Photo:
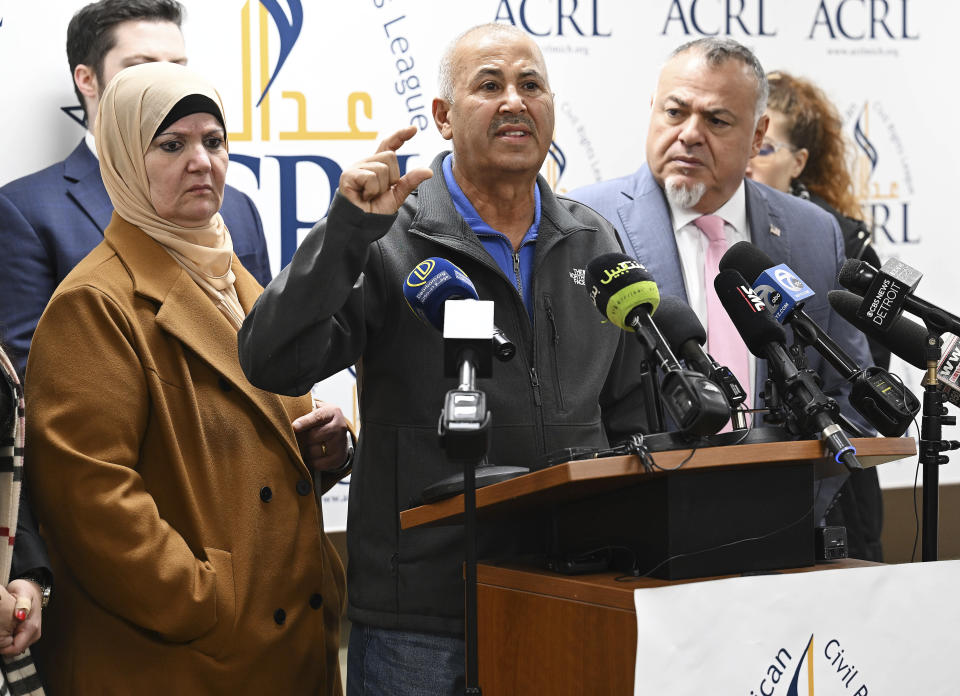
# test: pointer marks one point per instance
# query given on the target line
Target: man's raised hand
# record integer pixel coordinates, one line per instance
(374, 184)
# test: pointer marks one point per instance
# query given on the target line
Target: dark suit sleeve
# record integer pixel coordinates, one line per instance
(29, 550)
(26, 282)
(246, 229)
(313, 319)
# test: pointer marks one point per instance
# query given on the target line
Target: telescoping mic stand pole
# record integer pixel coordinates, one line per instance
(931, 433)
(465, 436)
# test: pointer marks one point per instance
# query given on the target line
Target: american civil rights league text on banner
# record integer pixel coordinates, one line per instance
(890, 630)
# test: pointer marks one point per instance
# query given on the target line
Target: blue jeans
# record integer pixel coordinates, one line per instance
(386, 662)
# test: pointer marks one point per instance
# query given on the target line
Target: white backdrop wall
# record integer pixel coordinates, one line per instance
(337, 77)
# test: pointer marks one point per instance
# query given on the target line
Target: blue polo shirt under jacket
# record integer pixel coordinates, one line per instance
(517, 266)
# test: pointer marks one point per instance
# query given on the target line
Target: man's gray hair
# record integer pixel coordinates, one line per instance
(447, 68)
(718, 51)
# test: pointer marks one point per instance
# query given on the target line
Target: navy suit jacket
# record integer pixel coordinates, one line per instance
(51, 219)
(789, 230)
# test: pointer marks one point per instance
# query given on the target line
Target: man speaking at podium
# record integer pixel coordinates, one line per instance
(573, 381)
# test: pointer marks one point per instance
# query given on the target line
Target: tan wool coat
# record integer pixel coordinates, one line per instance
(184, 527)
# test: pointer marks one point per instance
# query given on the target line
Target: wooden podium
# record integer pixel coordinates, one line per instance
(687, 504)
(544, 632)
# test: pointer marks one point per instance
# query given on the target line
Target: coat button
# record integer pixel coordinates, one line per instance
(224, 384)
(279, 616)
(304, 487)
(316, 600)
(266, 494)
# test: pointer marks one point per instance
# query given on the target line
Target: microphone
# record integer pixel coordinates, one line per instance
(887, 292)
(464, 420)
(884, 291)
(813, 411)
(685, 335)
(780, 287)
(948, 370)
(905, 338)
(783, 291)
(435, 280)
(626, 294)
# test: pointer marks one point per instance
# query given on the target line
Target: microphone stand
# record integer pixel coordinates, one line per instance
(648, 381)
(811, 411)
(931, 431)
(464, 433)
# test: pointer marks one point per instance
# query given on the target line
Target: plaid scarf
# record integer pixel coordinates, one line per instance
(18, 675)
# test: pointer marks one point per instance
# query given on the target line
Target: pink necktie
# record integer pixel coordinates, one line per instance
(723, 339)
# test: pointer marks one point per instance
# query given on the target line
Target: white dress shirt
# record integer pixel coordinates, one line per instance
(91, 143)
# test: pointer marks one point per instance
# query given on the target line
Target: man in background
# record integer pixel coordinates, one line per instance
(690, 201)
(51, 219)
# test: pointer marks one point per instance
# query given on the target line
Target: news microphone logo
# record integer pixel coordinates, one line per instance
(420, 273)
(754, 301)
(884, 299)
(620, 269)
(619, 285)
(432, 282)
(948, 371)
(781, 290)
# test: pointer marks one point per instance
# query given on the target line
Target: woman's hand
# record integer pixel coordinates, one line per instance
(322, 436)
(26, 632)
(16, 636)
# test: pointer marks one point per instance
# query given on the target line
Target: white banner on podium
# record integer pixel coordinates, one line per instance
(859, 631)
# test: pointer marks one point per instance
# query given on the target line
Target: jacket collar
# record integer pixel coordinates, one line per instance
(435, 211)
(81, 170)
(186, 313)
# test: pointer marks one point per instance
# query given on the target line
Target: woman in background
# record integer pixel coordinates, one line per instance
(181, 504)
(22, 600)
(804, 153)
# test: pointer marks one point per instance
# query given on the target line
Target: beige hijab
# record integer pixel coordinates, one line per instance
(133, 106)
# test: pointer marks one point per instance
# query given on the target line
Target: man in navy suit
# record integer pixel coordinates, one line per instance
(707, 121)
(51, 219)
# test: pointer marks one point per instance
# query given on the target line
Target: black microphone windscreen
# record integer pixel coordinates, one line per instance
(856, 275)
(905, 338)
(679, 323)
(746, 258)
(619, 285)
(748, 313)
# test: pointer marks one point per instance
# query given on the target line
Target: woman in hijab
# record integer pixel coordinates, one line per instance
(180, 503)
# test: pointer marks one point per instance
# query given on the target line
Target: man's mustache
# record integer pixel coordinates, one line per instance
(512, 120)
